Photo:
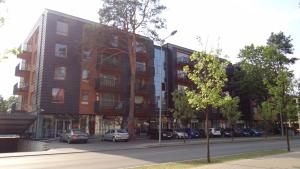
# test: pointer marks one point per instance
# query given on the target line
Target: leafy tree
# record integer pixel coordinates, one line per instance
(182, 110)
(280, 92)
(268, 113)
(5, 105)
(131, 17)
(209, 77)
(230, 110)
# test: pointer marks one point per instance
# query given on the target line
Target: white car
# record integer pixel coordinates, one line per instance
(180, 133)
(215, 132)
(116, 135)
(74, 135)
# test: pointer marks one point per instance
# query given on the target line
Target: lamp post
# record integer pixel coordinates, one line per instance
(161, 83)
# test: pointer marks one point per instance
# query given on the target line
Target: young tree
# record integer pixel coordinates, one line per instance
(209, 77)
(5, 105)
(280, 91)
(182, 111)
(131, 17)
(230, 110)
(267, 113)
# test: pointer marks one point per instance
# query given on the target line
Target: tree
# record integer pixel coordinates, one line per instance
(268, 113)
(230, 110)
(209, 77)
(132, 16)
(6, 105)
(280, 92)
(182, 111)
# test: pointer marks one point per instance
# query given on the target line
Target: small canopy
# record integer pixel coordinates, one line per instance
(15, 123)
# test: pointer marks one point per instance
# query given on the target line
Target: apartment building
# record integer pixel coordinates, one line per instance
(75, 73)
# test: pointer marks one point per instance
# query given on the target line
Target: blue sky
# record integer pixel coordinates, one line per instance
(229, 24)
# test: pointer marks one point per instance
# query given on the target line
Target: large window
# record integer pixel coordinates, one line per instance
(182, 57)
(87, 54)
(140, 47)
(85, 97)
(60, 73)
(115, 41)
(140, 66)
(60, 50)
(58, 95)
(62, 28)
(107, 59)
(85, 75)
(108, 99)
(181, 74)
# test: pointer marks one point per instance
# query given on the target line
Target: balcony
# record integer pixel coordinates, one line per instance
(143, 89)
(143, 109)
(105, 84)
(22, 70)
(148, 72)
(20, 89)
(115, 108)
(109, 66)
(26, 52)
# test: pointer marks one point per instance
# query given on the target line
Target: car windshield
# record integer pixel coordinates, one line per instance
(76, 131)
(121, 131)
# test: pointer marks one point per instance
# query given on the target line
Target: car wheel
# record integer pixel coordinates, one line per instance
(114, 139)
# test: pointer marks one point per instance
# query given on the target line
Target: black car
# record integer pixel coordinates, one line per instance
(192, 133)
(165, 134)
(227, 132)
(245, 132)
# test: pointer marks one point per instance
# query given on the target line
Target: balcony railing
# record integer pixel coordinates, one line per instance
(20, 88)
(143, 108)
(112, 106)
(26, 51)
(104, 83)
(22, 70)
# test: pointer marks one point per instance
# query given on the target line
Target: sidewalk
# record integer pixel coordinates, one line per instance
(281, 161)
(96, 145)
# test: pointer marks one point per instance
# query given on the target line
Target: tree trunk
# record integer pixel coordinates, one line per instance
(132, 60)
(207, 136)
(287, 138)
(232, 132)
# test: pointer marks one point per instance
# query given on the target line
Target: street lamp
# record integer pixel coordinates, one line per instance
(161, 83)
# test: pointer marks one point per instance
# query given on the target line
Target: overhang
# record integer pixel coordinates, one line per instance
(15, 123)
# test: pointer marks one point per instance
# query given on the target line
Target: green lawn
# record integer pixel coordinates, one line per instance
(197, 163)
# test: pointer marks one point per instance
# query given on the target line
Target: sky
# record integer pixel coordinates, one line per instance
(229, 25)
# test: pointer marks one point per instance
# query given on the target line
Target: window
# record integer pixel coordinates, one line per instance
(85, 97)
(60, 73)
(140, 47)
(182, 57)
(85, 75)
(60, 50)
(62, 28)
(141, 66)
(138, 99)
(140, 84)
(109, 60)
(115, 41)
(181, 74)
(86, 54)
(108, 99)
(58, 95)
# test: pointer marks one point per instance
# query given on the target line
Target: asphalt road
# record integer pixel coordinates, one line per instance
(137, 157)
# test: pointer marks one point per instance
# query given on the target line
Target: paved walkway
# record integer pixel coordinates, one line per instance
(281, 161)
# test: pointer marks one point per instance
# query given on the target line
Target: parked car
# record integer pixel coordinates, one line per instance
(116, 135)
(192, 133)
(245, 132)
(73, 135)
(256, 132)
(201, 132)
(165, 134)
(215, 132)
(227, 132)
(180, 134)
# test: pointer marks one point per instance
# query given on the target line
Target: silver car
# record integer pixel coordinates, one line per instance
(74, 135)
(180, 134)
(116, 135)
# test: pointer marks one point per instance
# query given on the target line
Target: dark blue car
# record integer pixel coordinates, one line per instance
(192, 133)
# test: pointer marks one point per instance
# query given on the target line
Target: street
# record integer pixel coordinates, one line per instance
(136, 157)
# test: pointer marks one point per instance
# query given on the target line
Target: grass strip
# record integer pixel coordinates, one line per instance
(197, 163)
